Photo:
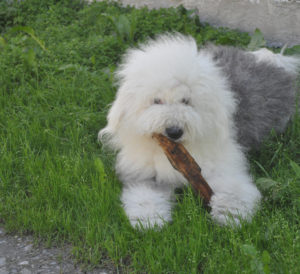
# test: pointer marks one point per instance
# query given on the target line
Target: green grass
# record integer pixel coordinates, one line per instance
(56, 80)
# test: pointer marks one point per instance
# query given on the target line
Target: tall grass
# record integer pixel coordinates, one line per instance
(57, 60)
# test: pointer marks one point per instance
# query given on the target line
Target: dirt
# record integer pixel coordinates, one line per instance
(19, 254)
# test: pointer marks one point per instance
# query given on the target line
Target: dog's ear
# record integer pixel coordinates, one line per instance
(116, 113)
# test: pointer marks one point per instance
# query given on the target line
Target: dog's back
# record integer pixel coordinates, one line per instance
(264, 86)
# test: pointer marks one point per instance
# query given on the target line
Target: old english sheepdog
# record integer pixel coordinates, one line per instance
(217, 101)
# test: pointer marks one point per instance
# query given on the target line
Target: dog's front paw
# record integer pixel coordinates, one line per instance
(148, 222)
(229, 209)
(146, 206)
(145, 216)
(224, 216)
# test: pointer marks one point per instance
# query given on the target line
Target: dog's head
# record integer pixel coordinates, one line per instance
(168, 87)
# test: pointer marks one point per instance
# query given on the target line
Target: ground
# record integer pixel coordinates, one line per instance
(19, 254)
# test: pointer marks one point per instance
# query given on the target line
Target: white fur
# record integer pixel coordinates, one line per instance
(289, 63)
(147, 205)
(171, 68)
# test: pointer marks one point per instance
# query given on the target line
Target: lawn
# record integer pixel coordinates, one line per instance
(57, 60)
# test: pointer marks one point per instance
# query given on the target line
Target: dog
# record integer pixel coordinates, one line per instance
(217, 101)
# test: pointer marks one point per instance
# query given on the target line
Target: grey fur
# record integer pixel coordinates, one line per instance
(265, 94)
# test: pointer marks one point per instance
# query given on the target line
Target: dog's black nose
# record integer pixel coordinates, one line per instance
(174, 132)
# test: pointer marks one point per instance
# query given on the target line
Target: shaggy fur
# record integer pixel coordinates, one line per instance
(217, 102)
(265, 93)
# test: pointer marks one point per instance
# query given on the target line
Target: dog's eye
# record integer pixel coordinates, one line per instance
(157, 101)
(185, 101)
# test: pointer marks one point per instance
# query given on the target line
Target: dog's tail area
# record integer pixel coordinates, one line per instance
(290, 64)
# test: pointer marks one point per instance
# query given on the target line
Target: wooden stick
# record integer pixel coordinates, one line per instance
(182, 161)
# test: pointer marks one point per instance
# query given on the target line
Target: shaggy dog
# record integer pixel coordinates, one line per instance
(217, 101)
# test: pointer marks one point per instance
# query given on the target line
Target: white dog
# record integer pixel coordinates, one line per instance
(218, 102)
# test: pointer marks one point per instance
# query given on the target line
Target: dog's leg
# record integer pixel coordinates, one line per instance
(235, 197)
(147, 205)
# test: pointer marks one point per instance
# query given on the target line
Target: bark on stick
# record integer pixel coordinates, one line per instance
(182, 161)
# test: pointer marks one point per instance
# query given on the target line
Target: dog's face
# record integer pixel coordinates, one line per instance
(183, 113)
(171, 110)
(170, 90)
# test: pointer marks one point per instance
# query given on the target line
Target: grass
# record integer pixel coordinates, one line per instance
(57, 60)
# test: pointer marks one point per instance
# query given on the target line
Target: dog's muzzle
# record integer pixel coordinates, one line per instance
(174, 133)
